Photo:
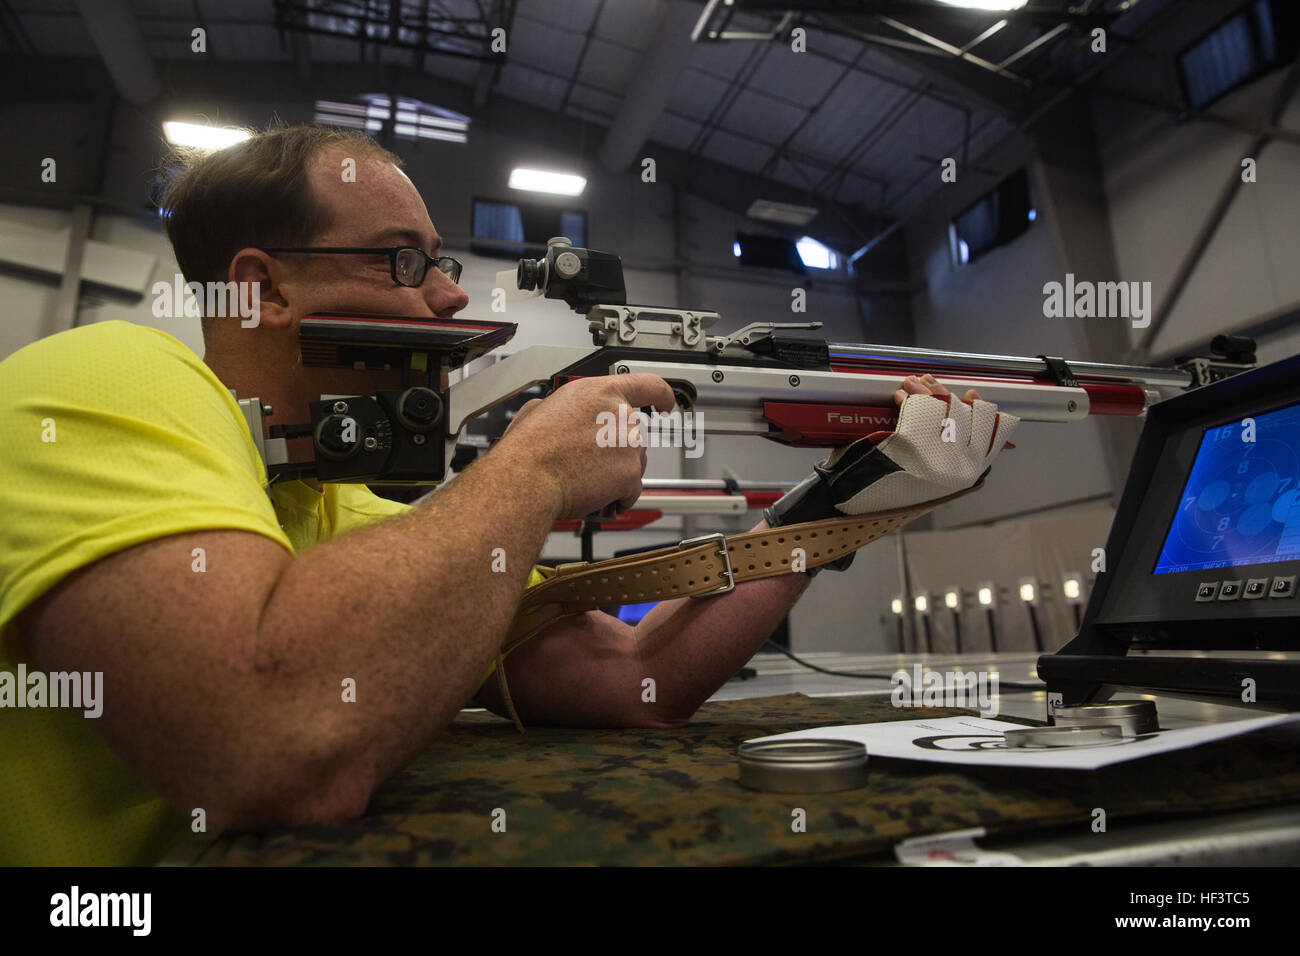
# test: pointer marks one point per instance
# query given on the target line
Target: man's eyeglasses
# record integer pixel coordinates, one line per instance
(408, 264)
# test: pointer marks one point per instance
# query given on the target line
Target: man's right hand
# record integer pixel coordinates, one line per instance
(557, 436)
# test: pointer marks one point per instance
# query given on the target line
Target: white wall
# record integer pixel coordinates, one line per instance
(1163, 176)
(995, 304)
(1043, 548)
(28, 299)
(144, 235)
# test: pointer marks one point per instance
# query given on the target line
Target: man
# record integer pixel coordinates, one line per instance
(229, 620)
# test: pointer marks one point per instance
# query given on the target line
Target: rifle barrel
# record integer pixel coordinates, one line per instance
(935, 360)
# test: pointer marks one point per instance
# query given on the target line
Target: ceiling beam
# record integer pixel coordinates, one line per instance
(116, 35)
(661, 65)
(990, 89)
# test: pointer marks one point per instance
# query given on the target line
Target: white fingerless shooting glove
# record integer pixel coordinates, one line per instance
(941, 445)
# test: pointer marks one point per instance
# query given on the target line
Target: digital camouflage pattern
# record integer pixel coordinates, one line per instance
(632, 797)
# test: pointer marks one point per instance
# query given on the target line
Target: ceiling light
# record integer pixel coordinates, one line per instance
(203, 137)
(985, 595)
(987, 4)
(782, 212)
(540, 181)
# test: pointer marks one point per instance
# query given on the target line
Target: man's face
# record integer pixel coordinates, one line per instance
(381, 208)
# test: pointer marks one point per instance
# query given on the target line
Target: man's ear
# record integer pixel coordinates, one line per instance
(253, 269)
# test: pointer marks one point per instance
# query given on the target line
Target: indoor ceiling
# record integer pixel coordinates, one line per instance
(885, 89)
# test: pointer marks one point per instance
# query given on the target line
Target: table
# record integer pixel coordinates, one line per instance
(636, 797)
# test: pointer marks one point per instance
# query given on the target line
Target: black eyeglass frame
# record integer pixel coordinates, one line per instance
(391, 252)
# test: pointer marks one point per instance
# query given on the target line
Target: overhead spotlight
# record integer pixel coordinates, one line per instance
(985, 595)
(201, 136)
(987, 4)
(896, 605)
(922, 604)
(952, 599)
(541, 181)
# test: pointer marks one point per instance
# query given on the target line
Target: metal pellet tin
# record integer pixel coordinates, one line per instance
(802, 765)
(1134, 717)
(1039, 737)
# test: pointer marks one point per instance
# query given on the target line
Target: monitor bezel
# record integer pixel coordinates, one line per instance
(1134, 606)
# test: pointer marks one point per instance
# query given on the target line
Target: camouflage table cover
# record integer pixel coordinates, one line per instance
(580, 796)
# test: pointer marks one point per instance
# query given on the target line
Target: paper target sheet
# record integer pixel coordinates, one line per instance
(978, 741)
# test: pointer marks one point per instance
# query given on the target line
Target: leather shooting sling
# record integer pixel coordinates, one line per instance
(707, 566)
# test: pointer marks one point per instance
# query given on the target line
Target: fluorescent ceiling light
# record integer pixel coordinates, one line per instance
(203, 137)
(987, 4)
(540, 181)
(782, 212)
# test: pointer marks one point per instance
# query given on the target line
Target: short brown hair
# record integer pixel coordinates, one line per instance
(254, 193)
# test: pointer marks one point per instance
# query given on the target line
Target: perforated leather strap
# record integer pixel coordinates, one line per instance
(700, 567)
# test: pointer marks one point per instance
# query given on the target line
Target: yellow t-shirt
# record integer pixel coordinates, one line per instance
(115, 434)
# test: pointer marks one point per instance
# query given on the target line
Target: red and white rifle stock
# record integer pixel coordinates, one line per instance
(761, 382)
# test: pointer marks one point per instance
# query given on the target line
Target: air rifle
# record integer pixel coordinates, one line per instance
(759, 380)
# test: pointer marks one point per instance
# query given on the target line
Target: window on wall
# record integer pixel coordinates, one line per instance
(768, 252)
(1259, 37)
(509, 229)
(993, 220)
(404, 117)
(815, 255)
(777, 252)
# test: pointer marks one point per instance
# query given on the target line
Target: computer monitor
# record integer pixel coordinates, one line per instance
(1204, 552)
(1241, 504)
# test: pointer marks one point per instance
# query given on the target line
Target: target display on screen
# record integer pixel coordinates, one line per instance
(1240, 505)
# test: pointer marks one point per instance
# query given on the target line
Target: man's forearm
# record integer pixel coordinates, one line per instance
(412, 608)
(692, 646)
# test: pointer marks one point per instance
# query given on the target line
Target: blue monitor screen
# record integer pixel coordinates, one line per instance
(1240, 504)
(632, 613)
